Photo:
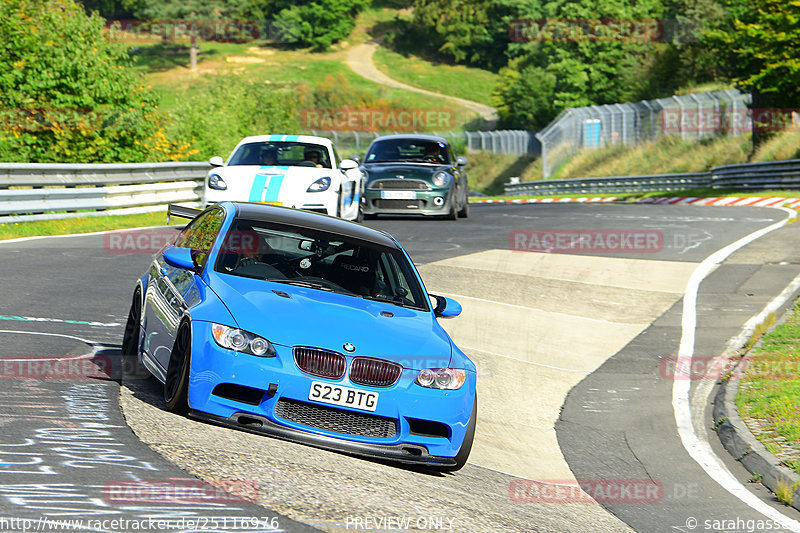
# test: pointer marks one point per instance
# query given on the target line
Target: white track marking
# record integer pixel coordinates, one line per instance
(700, 449)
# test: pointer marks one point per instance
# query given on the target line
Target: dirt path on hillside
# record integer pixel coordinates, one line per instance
(359, 58)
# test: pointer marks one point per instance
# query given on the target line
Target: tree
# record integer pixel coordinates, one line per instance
(319, 23)
(758, 43)
(66, 94)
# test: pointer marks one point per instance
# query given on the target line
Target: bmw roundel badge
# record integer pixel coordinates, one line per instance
(349, 347)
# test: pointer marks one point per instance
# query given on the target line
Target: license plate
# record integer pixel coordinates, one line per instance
(399, 195)
(345, 396)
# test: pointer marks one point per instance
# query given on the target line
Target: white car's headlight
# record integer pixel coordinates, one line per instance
(320, 185)
(442, 378)
(440, 179)
(242, 341)
(216, 182)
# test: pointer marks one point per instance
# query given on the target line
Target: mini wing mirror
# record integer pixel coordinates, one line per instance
(445, 307)
(216, 161)
(348, 164)
(461, 161)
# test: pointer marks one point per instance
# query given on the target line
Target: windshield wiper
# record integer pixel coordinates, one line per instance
(303, 283)
(387, 300)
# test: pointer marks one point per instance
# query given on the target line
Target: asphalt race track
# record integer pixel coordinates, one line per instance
(575, 383)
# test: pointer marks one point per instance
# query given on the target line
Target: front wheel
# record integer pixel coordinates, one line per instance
(176, 386)
(130, 339)
(453, 213)
(464, 212)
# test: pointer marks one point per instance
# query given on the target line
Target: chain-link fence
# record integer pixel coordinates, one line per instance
(350, 143)
(692, 117)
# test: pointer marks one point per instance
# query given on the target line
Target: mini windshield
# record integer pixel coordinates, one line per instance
(319, 260)
(292, 154)
(409, 150)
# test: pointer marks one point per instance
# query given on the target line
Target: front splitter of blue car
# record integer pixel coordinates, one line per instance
(270, 395)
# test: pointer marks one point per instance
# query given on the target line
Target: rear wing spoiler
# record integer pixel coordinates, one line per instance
(182, 212)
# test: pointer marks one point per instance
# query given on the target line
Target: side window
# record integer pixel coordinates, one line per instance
(201, 233)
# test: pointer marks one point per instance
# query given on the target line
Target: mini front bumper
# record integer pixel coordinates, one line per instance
(266, 381)
(430, 202)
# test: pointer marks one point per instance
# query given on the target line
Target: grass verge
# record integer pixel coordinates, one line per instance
(67, 226)
(769, 391)
(454, 80)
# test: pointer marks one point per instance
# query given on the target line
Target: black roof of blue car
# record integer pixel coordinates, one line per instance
(315, 221)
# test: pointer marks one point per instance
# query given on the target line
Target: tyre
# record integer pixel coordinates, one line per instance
(466, 446)
(130, 339)
(453, 213)
(131, 367)
(360, 215)
(176, 386)
(464, 212)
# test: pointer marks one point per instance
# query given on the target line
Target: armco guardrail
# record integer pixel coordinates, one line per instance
(758, 176)
(611, 185)
(779, 175)
(39, 191)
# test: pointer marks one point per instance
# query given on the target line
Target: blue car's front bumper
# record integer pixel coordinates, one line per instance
(243, 391)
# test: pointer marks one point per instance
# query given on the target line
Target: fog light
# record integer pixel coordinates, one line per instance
(438, 201)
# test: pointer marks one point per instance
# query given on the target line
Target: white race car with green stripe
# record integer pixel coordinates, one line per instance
(299, 171)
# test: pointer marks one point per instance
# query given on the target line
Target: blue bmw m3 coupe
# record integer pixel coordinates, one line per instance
(304, 327)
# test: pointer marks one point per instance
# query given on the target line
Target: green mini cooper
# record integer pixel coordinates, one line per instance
(414, 174)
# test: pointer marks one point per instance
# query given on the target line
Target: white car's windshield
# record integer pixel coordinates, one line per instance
(319, 260)
(292, 154)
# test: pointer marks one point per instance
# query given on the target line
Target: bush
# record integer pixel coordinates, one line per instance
(220, 112)
(319, 24)
(66, 94)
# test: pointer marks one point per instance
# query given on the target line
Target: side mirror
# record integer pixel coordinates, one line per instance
(216, 161)
(356, 158)
(461, 161)
(445, 307)
(348, 164)
(180, 258)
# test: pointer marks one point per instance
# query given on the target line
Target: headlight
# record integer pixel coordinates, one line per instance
(442, 378)
(216, 182)
(440, 179)
(320, 185)
(242, 341)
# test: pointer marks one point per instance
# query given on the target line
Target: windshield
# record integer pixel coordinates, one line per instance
(319, 260)
(413, 150)
(292, 154)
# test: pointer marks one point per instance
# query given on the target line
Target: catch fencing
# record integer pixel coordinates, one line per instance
(691, 117)
(515, 142)
(776, 175)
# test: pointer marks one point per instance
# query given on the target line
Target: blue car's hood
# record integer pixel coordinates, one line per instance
(328, 320)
